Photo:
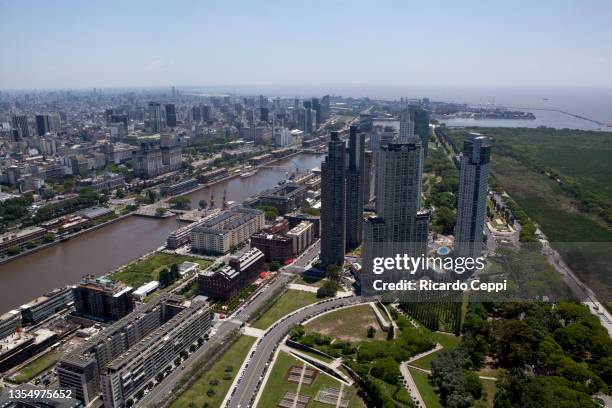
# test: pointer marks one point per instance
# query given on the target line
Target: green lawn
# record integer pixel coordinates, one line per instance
(288, 302)
(425, 388)
(37, 366)
(197, 393)
(148, 269)
(301, 280)
(276, 386)
(348, 324)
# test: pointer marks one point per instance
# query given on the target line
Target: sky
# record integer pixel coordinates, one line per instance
(132, 43)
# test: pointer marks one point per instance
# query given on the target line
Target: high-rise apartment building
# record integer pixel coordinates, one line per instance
(355, 173)
(472, 195)
(406, 131)
(333, 203)
(398, 227)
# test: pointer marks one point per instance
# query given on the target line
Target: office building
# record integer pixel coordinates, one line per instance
(20, 239)
(9, 322)
(472, 195)
(295, 218)
(354, 188)
(285, 198)
(47, 305)
(20, 122)
(178, 187)
(170, 115)
(369, 178)
(226, 281)
(102, 299)
(132, 346)
(130, 372)
(155, 117)
(274, 247)
(42, 124)
(333, 203)
(221, 233)
(302, 236)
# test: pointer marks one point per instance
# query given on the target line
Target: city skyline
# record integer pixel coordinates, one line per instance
(156, 43)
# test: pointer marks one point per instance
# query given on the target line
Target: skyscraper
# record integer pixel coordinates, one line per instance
(333, 203)
(20, 122)
(354, 188)
(42, 124)
(170, 115)
(421, 128)
(398, 227)
(155, 117)
(472, 195)
(406, 133)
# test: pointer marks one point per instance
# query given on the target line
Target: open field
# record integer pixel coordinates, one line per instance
(197, 393)
(277, 385)
(288, 302)
(148, 269)
(348, 324)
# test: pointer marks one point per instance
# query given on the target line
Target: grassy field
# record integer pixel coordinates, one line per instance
(301, 280)
(37, 366)
(276, 386)
(348, 324)
(148, 269)
(197, 393)
(425, 389)
(288, 302)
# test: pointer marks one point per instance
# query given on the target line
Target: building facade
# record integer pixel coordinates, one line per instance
(472, 195)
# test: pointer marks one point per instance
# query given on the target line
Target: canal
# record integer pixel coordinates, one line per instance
(102, 250)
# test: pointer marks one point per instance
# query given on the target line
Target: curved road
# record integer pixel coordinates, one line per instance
(243, 393)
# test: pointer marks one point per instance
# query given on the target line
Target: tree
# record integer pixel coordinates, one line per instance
(274, 266)
(333, 273)
(49, 237)
(329, 289)
(371, 331)
(387, 369)
(13, 250)
(180, 202)
(270, 211)
(160, 211)
(202, 204)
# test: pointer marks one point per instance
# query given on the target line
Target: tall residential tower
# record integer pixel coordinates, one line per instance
(472, 195)
(333, 203)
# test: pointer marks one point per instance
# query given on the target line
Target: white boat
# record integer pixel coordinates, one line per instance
(249, 173)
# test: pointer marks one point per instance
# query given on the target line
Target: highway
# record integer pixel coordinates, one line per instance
(244, 391)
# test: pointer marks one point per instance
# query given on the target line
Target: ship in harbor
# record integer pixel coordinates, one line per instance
(248, 171)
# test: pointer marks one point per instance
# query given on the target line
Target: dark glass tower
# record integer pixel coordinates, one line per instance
(333, 203)
(354, 188)
(472, 195)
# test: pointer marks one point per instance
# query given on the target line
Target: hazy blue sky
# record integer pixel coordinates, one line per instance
(149, 43)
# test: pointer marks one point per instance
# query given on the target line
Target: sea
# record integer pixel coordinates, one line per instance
(590, 102)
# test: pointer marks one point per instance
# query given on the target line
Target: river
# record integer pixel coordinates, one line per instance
(102, 250)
